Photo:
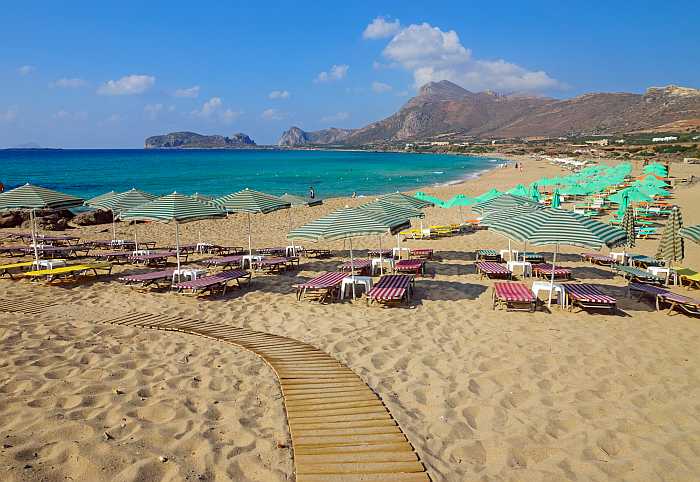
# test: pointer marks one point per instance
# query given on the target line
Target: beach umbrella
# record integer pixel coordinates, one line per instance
(459, 201)
(653, 181)
(503, 201)
(203, 198)
(556, 199)
(121, 202)
(99, 198)
(656, 168)
(412, 201)
(31, 198)
(487, 196)
(559, 227)
(175, 208)
(671, 243)
(627, 226)
(495, 217)
(346, 224)
(249, 202)
(297, 202)
(691, 232)
(624, 203)
(519, 190)
(653, 191)
(633, 195)
(575, 190)
(534, 192)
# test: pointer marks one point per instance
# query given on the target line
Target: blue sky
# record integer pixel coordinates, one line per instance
(108, 74)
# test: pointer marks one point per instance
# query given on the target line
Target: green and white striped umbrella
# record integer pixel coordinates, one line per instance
(346, 223)
(175, 208)
(30, 197)
(392, 211)
(404, 200)
(250, 201)
(691, 232)
(671, 242)
(559, 226)
(627, 226)
(35, 197)
(297, 201)
(121, 202)
(504, 201)
(203, 198)
(497, 217)
(99, 198)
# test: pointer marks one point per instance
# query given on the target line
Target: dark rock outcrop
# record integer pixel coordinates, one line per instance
(92, 218)
(192, 140)
(46, 219)
(295, 137)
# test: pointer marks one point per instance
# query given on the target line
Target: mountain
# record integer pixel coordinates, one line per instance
(192, 140)
(295, 137)
(444, 108)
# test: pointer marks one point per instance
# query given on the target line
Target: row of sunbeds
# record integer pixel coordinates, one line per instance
(390, 289)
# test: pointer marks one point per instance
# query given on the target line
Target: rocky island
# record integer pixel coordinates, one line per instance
(192, 140)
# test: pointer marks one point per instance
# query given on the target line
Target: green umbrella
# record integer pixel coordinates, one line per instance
(488, 195)
(426, 198)
(173, 208)
(534, 192)
(519, 190)
(627, 226)
(403, 199)
(348, 223)
(503, 201)
(575, 190)
(691, 232)
(653, 181)
(495, 217)
(99, 198)
(460, 200)
(249, 201)
(31, 198)
(121, 202)
(671, 242)
(656, 168)
(556, 199)
(559, 226)
(203, 198)
(633, 195)
(653, 191)
(624, 203)
(296, 201)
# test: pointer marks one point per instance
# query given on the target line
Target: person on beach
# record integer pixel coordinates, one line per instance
(2, 187)
(312, 193)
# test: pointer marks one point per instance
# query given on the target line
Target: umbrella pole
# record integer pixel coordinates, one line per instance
(352, 270)
(114, 227)
(32, 219)
(510, 252)
(381, 263)
(551, 281)
(250, 248)
(177, 248)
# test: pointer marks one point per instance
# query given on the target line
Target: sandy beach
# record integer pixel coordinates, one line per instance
(481, 394)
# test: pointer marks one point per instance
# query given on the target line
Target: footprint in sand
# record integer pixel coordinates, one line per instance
(156, 413)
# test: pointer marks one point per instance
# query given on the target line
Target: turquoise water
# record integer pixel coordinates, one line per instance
(87, 173)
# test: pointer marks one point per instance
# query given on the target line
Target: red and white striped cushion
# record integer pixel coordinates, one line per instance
(588, 294)
(513, 292)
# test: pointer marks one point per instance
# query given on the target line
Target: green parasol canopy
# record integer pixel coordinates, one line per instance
(296, 201)
(519, 190)
(671, 242)
(691, 232)
(556, 199)
(633, 195)
(503, 201)
(99, 198)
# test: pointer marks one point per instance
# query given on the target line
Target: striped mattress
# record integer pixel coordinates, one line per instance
(327, 280)
(513, 292)
(586, 293)
(391, 287)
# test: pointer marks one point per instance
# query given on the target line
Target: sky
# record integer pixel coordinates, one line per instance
(93, 74)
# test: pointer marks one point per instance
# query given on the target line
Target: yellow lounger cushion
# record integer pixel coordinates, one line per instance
(23, 264)
(68, 269)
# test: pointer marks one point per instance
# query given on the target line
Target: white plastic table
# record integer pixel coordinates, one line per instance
(188, 274)
(291, 251)
(504, 254)
(359, 280)
(203, 247)
(662, 271)
(525, 267)
(376, 262)
(141, 252)
(538, 286)
(49, 263)
(396, 253)
(618, 256)
(250, 259)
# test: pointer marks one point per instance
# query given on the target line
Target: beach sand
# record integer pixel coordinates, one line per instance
(481, 394)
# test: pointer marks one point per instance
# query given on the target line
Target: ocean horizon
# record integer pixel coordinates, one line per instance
(90, 172)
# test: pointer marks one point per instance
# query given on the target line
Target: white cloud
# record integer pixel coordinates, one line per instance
(152, 110)
(336, 72)
(337, 117)
(68, 83)
(9, 114)
(70, 116)
(189, 93)
(279, 94)
(432, 55)
(381, 87)
(273, 115)
(381, 28)
(127, 85)
(214, 109)
(26, 70)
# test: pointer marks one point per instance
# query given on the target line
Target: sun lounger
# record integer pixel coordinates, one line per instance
(689, 276)
(14, 268)
(323, 287)
(544, 270)
(273, 264)
(384, 253)
(598, 259)
(13, 250)
(644, 261)
(215, 283)
(643, 290)
(425, 253)
(675, 301)
(53, 251)
(318, 253)
(156, 258)
(149, 278)
(391, 288)
(273, 251)
(493, 270)
(488, 255)
(637, 274)
(225, 262)
(531, 257)
(113, 256)
(587, 296)
(71, 271)
(514, 296)
(358, 265)
(412, 266)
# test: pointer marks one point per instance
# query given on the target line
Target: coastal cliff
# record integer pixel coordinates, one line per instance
(295, 137)
(192, 140)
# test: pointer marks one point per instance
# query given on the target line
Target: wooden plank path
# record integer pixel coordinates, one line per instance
(27, 306)
(341, 430)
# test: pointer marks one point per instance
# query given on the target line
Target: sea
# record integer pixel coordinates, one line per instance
(88, 173)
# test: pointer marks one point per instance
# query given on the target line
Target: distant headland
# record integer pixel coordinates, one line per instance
(192, 140)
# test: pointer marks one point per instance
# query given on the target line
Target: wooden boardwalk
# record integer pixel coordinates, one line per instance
(341, 431)
(23, 305)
